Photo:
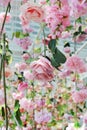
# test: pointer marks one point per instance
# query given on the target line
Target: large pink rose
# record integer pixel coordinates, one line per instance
(31, 12)
(42, 69)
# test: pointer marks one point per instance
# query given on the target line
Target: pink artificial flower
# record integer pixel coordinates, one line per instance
(64, 73)
(40, 103)
(18, 96)
(2, 15)
(81, 37)
(24, 43)
(31, 12)
(28, 75)
(79, 96)
(85, 118)
(65, 34)
(78, 8)
(4, 2)
(67, 49)
(22, 86)
(1, 97)
(26, 104)
(57, 18)
(76, 64)
(42, 69)
(25, 56)
(21, 66)
(43, 116)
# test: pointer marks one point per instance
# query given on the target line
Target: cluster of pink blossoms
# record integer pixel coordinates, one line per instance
(58, 17)
(23, 42)
(79, 96)
(76, 64)
(78, 8)
(43, 116)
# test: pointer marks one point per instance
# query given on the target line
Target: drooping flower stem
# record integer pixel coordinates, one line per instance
(8, 9)
(4, 81)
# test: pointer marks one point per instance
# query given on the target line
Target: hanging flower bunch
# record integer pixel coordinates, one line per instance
(46, 90)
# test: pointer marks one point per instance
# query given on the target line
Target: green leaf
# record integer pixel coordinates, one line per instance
(52, 45)
(16, 106)
(20, 35)
(37, 50)
(79, 20)
(68, 28)
(18, 115)
(80, 29)
(1, 123)
(9, 59)
(3, 112)
(59, 57)
(52, 123)
(54, 63)
(72, 112)
(67, 44)
(76, 33)
(62, 109)
(77, 124)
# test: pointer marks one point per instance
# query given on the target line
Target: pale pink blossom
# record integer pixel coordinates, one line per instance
(2, 15)
(43, 116)
(81, 37)
(85, 118)
(1, 97)
(21, 66)
(25, 56)
(31, 12)
(75, 64)
(67, 49)
(64, 73)
(22, 86)
(17, 95)
(79, 96)
(26, 104)
(24, 43)
(42, 69)
(78, 8)
(40, 103)
(57, 18)
(28, 75)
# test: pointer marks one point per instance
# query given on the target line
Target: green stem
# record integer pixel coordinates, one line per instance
(3, 24)
(4, 82)
(1, 68)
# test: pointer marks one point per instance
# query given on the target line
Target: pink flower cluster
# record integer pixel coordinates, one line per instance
(23, 42)
(78, 8)
(26, 104)
(42, 116)
(42, 69)
(22, 86)
(79, 96)
(2, 15)
(76, 64)
(31, 12)
(58, 17)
